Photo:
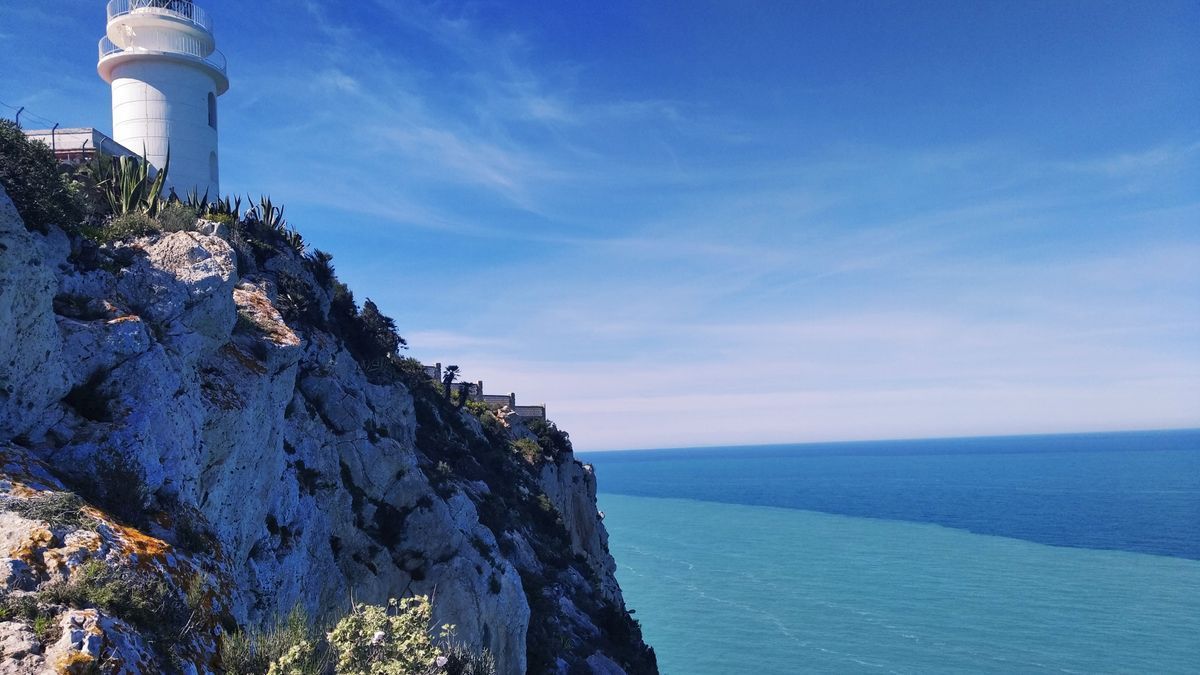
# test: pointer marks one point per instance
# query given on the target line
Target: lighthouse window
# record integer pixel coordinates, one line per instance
(212, 166)
(212, 110)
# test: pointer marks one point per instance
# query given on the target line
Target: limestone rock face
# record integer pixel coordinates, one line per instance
(571, 486)
(32, 374)
(224, 438)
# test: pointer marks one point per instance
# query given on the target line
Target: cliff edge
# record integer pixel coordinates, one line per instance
(189, 415)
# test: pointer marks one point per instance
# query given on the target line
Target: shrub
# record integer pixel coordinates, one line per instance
(177, 217)
(299, 659)
(192, 533)
(14, 606)
(55, 508)
(32, 180)
(296, 301)
(553, 440)
(128, 226)
(392, 640)
(45, 628)
(378, 331)
(462, 661)
(370, 640)
(291, 645)
(528, 450)
(142, 599)
(321, 265)
(546, 505)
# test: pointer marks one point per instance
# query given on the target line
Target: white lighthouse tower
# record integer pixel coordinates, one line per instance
(161, 59)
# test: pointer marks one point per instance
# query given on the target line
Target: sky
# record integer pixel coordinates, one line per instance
(699, 222)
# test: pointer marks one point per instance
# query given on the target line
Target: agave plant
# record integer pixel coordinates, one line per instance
(226, 207)
(268, 214)
(196, 202)
(271, 216)
(128, 185)
(221, 206)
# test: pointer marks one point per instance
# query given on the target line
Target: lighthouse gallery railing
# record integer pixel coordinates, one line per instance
(175, 44)
(183, 9)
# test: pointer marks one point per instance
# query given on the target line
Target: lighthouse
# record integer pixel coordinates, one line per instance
(161, 59)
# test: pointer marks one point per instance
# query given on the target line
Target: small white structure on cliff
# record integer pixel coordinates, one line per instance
(161, 59)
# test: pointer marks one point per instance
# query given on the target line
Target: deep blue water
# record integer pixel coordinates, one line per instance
(1051, 554)
(1136, 491)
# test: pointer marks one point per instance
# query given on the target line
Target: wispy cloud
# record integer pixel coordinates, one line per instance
(756, 251)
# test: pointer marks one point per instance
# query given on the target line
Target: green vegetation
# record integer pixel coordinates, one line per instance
(126, 226)
(264, 221)
(290, 645)
(42, 194)
(113, 199)
(397, 639)
(449, 375)
(225, 210)
(528, 450)
(392, 640)
(26, 608)
(177, 216)
(555, 442)
(55, 508)
(130, 184)
(142, 599)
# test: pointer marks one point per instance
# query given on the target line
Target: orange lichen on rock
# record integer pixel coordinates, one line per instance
(75, 663)
(255, 306)
(141, 547)
(22, 491)
(30, 550)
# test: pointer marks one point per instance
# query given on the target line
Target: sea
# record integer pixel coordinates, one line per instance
(1032, 554)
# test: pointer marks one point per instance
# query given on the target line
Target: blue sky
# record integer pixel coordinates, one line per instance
(700, 223)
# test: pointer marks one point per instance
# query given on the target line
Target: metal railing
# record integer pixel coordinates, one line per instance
(183, 9)
(184, 45)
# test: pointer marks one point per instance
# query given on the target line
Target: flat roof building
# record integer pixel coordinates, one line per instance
(79, 144)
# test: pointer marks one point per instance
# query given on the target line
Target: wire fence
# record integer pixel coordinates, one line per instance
(21, 113)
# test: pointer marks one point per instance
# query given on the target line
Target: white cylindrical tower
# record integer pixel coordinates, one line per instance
(166, 74)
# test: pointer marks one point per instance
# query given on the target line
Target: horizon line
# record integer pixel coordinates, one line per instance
(898, 440)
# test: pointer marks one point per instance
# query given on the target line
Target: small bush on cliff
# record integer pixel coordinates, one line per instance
(553, 440)
(56, 508)
(371, 640)
(292, 645)
(32, 180)
(177, 216)
(370, 335)
(461, 660)
(128, 226)
(392, 640)
(143, 599)
(528, 450)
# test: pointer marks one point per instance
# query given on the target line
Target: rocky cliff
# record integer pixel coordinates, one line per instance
(182, 414)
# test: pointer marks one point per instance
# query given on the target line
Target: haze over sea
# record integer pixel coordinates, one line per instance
(1067, 553)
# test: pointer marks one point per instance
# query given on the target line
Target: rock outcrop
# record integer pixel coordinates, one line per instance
(195, 395)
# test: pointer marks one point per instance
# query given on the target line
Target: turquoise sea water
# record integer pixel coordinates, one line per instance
(726, 587)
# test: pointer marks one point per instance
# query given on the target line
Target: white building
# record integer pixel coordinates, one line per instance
(78, 144)
(161, 59)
